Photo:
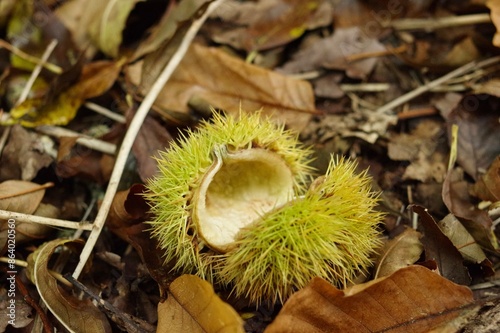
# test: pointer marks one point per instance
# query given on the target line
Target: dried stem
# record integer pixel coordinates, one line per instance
(435, 23)
(84, 140)
(36, 71)
(20, 217)
(439, 81)
(131, 134)
(31, 190)
(51, 67)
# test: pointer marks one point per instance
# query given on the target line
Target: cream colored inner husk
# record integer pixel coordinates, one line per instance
(236, 191)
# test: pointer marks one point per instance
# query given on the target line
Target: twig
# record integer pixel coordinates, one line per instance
(51, 67)
(47, 325)
(432, 84)
(84, 140)
(36, 71)
(367, 55)
(414, 113)
(27, 191)
(435, 23)
(20, 217)
(106, 112)
(131, 134)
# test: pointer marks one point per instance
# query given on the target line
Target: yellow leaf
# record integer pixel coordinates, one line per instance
(96, 78)
(192, 306)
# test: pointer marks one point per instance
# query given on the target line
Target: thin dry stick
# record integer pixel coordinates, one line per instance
(433, 84)
(84, 140)
(27, 218)
(36, 71)
(131, 134)
(51, 67)
(105, 112)
(31, 190)
(438, 22)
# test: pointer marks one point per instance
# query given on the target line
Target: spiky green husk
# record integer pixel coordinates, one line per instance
(330, 232)
(181, 170)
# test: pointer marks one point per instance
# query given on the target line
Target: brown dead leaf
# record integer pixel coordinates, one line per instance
(478, 128)
(25, 154)
(126, 216)
(411, 300)
(440, 248)
(152, 138)
(229, 83)
(87, 164)
(75, 314)
(462, 239)
(332, 53)
(24, 197)
(271, 23)
(400, 252)
(192, 306)
(182, 12)
(423, 149)
(21, 196)
(488, 185)
(455, 194)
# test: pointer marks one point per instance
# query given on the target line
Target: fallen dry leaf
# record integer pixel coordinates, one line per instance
(411, 300)
(182, 12)
(25, 154)
(462, 239)
(75, 314)
(267, 24)
(423, 149)
(128, 211)
(478, 128)
(455, 194)
(24, 197)
(400, 252)
(96, 78)
(192, 306)
(33, 35)
(20, 196)
(488, 185)
(440, 248)
(332, 53)
(107, 23)
(229, 83)
(151, 139)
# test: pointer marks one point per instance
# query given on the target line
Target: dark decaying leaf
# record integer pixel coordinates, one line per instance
(458, 201)
(332, 52)
(478, 128)
(439, 248)
(192, 306)
(151, 139)
(172, 20)
(272, 23)
(411, 300)
(75, 314)
(126, 219)
(25, 154)
(32, 27)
